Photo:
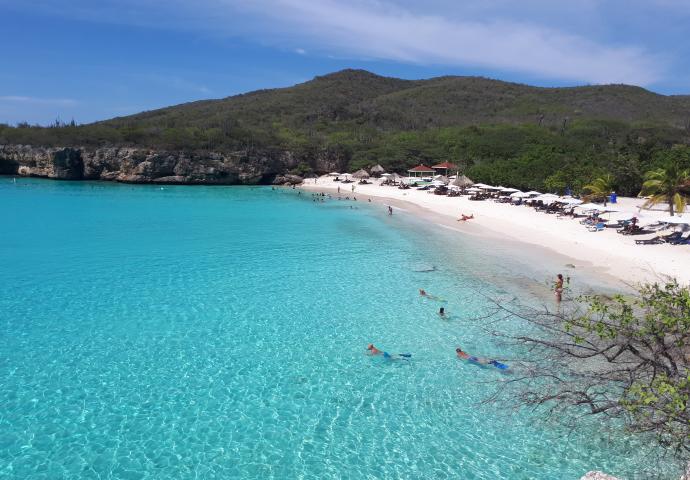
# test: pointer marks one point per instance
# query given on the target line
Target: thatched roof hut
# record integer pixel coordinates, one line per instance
(463, 181)
(377, 170)
(360, 174)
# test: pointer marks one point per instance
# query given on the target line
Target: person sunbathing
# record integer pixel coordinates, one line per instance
(464, 217)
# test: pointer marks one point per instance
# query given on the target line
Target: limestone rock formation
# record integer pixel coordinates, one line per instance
(140, 165)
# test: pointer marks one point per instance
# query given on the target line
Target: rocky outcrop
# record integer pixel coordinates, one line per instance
(139, 165)
(597, 476)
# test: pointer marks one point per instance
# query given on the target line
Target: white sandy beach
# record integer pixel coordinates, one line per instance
(604, 251)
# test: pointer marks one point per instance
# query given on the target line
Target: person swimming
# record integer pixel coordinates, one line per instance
(423, 293)
(480, 360)
(442, 312)
(389, 356)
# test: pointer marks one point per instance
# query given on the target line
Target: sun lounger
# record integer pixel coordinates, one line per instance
(597, 228)
(650, 241)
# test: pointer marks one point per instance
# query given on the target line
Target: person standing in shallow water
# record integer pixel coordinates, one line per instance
(558, 288)
(390, 210)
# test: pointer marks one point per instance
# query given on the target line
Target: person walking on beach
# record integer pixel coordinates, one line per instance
(558, 287)
(338, 188)
(390, 210)
(353, 188)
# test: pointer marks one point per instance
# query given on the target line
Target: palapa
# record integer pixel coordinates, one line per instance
(360, 174)
(463, 181)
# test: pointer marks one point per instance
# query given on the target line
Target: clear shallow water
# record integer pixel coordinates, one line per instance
(219, 333)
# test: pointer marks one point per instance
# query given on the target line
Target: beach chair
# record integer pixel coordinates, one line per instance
(650, 241)
(597, 227)
(679, 240)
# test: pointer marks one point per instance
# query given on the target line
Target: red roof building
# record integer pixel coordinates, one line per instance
(445, 166)
(420, 170)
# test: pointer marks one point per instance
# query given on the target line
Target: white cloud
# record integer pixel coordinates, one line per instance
(381, 30)
(541, 38)
(18, 99)
(300, 51)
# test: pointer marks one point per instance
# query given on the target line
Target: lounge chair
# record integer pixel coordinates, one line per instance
(597, 227)
(650, 241)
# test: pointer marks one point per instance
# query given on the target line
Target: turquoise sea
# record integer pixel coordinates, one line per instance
(220, 332)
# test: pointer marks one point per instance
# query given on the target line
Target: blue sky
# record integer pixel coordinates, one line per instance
(95, 59)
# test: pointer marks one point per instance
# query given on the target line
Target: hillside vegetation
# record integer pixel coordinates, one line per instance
(497, 131)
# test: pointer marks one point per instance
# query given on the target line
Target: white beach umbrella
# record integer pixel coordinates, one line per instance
(474, 189)
(483, 186)
(594, 206)
(570, 201)
(675, 220)
(533, 193)
(334, 174)
(509, 189)
(386, 175)
(518, 195)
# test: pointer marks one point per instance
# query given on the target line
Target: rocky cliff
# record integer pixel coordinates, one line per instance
(138, 165)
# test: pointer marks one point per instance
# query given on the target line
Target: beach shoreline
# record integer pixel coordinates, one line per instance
(614, 259)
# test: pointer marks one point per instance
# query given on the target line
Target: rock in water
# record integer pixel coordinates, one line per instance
(597, 476)
(423, 267)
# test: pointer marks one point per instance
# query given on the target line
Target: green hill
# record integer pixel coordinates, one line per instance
(488, 126)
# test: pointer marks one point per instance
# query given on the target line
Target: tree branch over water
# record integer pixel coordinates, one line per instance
(622, 358)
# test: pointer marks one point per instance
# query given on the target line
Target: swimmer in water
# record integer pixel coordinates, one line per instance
(423, 293)
(480, 360)
(442, 312)
(389, 356)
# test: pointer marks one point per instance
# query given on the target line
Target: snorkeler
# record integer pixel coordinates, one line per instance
(423, 293)
(390, 356)
(480, 360)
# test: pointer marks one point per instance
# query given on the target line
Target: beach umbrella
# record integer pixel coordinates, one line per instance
(675, 220)
(570, 201)
(592, 206)
(474, 189)
(518, 195)
(386, 175)
(546, 197)
(463, 181)
(533, 193)
(377, 169)
(483, 186)
(509, 190)
(334, 174)
(441, 178)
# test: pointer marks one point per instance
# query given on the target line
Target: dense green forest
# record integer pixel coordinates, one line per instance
(498, 132)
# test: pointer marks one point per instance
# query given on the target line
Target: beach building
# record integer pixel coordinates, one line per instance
(444, 168)
(420, 171)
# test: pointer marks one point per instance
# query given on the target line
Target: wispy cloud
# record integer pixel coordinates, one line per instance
(535, 37)
(58, 102)
(381, 30)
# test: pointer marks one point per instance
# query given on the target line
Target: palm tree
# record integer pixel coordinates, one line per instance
(599, 189)
(668, 185)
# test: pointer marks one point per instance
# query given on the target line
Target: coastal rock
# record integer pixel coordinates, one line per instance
(288, 180)
(142, 165)
(597, 476)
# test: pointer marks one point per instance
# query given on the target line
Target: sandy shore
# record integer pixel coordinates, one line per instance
(605, 252)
